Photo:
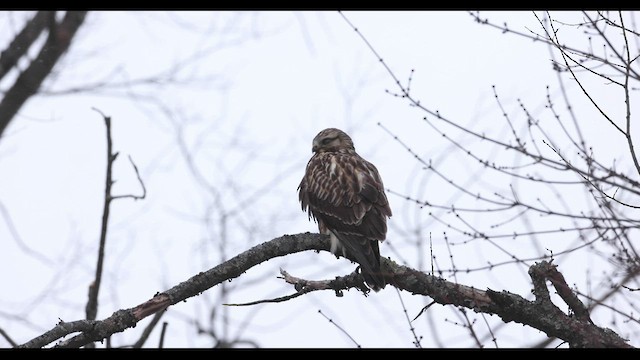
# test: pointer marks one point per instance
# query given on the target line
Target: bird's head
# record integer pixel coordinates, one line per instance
(332, 140)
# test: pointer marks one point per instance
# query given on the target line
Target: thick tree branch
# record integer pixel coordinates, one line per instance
(232, 268)
(59, 331)
(540, 314)
(22, 42)
(60, 37)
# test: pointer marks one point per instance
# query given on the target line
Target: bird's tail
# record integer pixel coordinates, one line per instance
(367, 254)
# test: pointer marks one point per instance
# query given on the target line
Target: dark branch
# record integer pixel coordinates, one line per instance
(131, 196)
(539, 314)
(22, 42)
(302, 286)
(162, 333)
(60, 37)
(18, 239)
(230, 269)
(545, 270)
(7, 337)
(147, 331)
(59, 331)
(340, 328)
(94, 289)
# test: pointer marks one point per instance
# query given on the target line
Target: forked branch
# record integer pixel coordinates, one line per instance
(541, 314)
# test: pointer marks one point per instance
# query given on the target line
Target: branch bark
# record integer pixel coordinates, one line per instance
(541, 313)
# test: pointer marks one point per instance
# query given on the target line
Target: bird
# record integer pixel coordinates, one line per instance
(345, 195)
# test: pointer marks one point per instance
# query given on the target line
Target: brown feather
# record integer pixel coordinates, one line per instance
(344, 193)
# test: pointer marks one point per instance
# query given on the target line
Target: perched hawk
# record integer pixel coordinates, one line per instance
(344, 193)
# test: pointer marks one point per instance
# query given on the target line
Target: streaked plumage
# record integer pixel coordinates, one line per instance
(344, 194)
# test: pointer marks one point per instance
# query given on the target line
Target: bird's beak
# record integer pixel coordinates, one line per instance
(314, 148)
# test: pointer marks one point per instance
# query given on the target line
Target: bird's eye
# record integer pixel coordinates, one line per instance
(326, 141)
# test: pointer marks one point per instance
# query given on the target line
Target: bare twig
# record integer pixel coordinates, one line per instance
(416, 338)
(8, 338)
(589, 181)
(162, 333)
(94, 289)
(546, 40)
(424, 309)
(611, 46)
(627, 62)
(554, 39)
(147, 330)
(339, 328)
(493, 337)
(469, 326)
(274, 300)
(18, 239)
(131, 196)
(302, 286)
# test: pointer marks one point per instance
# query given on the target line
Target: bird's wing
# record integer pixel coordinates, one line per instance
(346, 194)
